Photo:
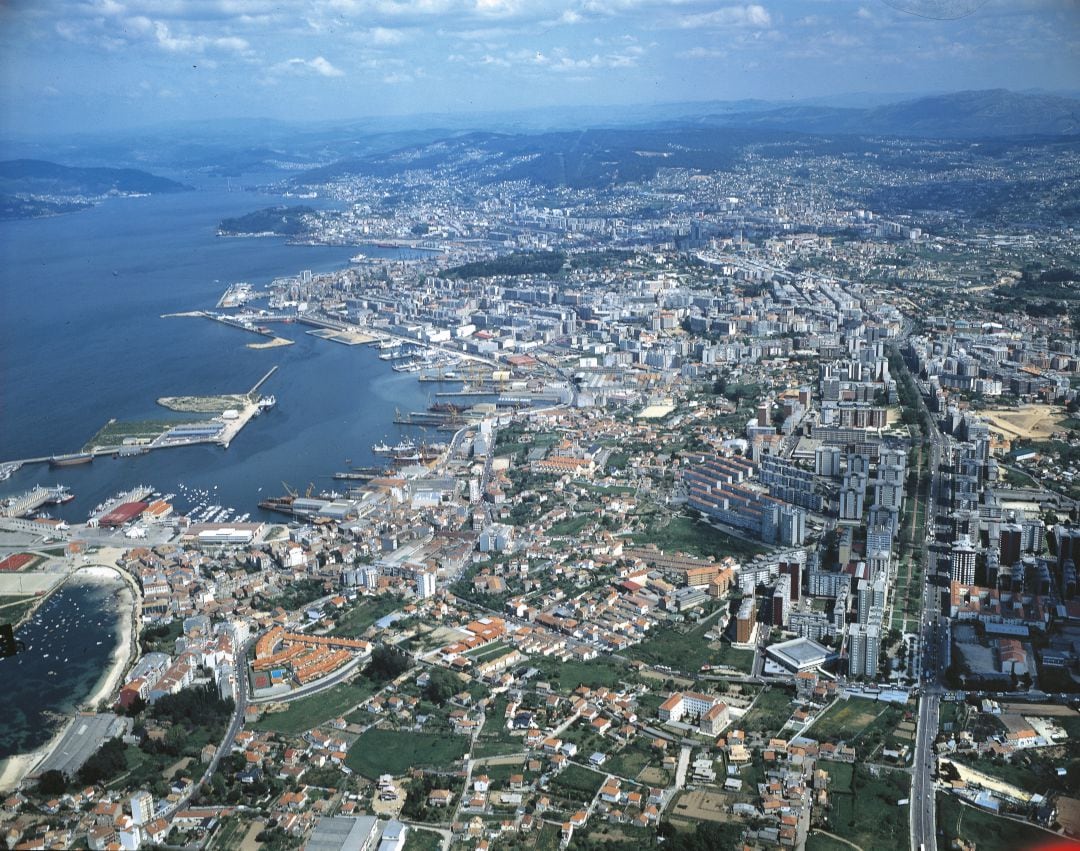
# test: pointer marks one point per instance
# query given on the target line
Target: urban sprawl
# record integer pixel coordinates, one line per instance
(747, 518)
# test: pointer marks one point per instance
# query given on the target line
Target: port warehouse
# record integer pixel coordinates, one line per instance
(123, 513)
(188, 432)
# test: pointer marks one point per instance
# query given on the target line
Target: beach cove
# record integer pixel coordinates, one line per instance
(79, 643)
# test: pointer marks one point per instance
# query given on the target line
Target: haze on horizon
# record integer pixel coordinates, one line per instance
(74, 65)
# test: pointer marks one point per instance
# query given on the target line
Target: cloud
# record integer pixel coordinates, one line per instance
(702, 53)
(560, 61)
(385, 36)
(319, 66)
(730, 16)
(196, 43)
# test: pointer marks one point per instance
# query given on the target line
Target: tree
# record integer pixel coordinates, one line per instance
(109, 761)
(52, 783)
(387, 663)
(441, 686)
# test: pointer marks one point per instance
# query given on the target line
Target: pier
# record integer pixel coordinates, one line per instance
(32, 500)
(262, 381)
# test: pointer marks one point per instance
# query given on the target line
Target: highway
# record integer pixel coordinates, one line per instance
(931, 635)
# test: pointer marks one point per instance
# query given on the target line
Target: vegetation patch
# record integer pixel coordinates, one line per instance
(987, 831)
(392, 752)
(307, 713)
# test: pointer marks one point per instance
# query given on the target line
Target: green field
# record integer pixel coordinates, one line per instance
(866, 812)
(689, 651)
(821, 842)
(577, 783)
(487, 652)
(115, 433)
(354, 622)
(391, 752)
(769, 713)
(418, 839)
(689, 535)
(630, 761)
(309, 712)
(987, 831)
(570, 526)
(846, 719)
(866, 724)
(594, 673)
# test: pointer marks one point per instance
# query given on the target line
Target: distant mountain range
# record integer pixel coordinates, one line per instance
(976, 114)
(43, 178)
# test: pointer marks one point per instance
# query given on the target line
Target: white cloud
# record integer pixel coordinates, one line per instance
(702, 53)
(560, 61)
(196, 43)
(386, 36)
(730, 16)
(319, 65)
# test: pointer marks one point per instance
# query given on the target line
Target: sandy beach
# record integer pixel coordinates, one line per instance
(120, 659)
(14, 768)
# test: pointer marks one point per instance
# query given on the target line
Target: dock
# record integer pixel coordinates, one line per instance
(32, 500)
(262, 381)
(136, 494)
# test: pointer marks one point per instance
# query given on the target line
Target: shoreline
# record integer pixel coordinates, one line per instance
(121, 655)
(15, 768)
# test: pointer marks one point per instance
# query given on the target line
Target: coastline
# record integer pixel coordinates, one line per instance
(121, 656)
(15, 768)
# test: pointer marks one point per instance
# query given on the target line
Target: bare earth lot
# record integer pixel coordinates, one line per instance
(1034, 422)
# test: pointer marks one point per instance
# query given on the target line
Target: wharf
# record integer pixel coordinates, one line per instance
(32, 500)
(136, 494)
(167, 438)
(463, 392)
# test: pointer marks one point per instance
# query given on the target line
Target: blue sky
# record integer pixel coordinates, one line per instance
(92, 64)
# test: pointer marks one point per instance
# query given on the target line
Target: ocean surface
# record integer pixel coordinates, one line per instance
(69, 642)
(82, 341)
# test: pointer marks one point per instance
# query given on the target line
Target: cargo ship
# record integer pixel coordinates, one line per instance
(71, 460)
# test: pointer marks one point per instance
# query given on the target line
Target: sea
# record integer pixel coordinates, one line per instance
(69, 642)
(82, 341)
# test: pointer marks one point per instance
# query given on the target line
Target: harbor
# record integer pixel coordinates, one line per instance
(124, 439)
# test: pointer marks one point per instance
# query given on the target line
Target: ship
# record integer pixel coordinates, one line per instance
(278, 503)
(264, 404)
(71, 460)
(382, 448)
(59, 495)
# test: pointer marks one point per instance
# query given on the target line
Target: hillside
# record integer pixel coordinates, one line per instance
(43, 178)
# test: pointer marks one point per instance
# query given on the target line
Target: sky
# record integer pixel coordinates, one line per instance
(97, 64)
